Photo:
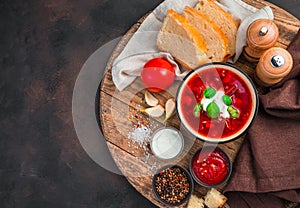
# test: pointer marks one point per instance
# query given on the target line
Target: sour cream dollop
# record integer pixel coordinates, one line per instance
(217, 98)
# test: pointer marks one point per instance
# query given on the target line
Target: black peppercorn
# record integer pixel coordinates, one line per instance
(172, 185)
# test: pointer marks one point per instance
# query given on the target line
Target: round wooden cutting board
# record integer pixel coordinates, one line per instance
(119, 115)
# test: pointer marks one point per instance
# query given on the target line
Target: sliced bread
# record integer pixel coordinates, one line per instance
(221, 18)
(216, 41)
(195, 202)
(182, 40)
(214, 199)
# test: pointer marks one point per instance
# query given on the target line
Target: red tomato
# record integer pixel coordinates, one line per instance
(157, 75)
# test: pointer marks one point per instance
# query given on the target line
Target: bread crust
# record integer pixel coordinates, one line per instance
(214, 199)
(195, 202)
(226, 17)
(192, 31)
(176, 28)
(198, 36)
(198, 55)
(193, 13)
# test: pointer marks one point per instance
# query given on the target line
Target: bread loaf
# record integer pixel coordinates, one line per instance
(195, 202)
(216, 42)
(214, 199)
(221, 18)
(182, 40)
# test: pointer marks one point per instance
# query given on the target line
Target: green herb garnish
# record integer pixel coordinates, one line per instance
(209, 92)
(197, 109)
(234, 113)
(227, 100)
(213, 110)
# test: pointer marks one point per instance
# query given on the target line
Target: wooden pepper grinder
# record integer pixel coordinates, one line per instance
(273, 66)
(261, 35)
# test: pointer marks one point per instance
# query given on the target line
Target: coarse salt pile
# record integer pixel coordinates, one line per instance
(140, 135)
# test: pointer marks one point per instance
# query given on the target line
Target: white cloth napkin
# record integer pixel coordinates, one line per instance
(142, 46)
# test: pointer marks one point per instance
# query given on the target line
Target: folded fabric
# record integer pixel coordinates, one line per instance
(142, 45)
(267, 167)
(122, 78)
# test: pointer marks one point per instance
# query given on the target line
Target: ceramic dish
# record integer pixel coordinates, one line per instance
(217, 102)
(172, 185)
(210, 167)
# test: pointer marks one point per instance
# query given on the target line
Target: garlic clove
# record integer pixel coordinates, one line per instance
(150, 99)
(170, 108)
(155, 111)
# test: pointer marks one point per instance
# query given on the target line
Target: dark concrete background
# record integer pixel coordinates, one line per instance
(43, 45)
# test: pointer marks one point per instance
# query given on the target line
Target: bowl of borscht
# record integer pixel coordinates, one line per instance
(217, 102)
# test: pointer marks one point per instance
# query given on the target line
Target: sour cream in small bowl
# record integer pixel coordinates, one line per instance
(167, 143)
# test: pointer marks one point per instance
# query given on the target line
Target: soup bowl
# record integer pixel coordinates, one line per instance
(217, 102)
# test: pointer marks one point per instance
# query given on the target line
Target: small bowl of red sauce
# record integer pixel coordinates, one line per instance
(210, 166)
(217, 102)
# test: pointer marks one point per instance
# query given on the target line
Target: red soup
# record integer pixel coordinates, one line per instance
(210, 166)
(216, 103)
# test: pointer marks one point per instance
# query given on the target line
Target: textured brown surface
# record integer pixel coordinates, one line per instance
(43, 47)
(44, 44)
(272, 144)
(288, 26)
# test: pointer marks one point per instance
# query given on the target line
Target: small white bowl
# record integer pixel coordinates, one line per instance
(167, 143)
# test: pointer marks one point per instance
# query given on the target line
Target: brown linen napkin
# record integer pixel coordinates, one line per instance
(267, 168)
